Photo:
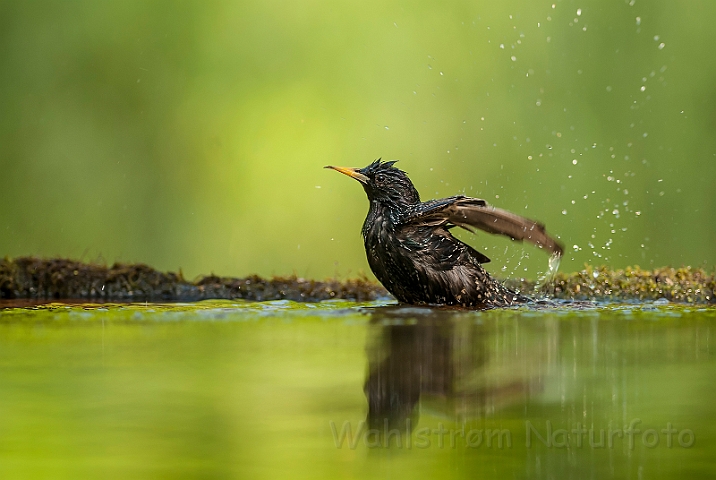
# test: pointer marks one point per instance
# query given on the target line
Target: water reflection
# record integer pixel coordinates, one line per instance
(247, 390)
(440, 360)
(584, 391)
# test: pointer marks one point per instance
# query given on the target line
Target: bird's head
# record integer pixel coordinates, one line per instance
(384, 183)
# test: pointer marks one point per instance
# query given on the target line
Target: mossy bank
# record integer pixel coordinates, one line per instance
(35, 278)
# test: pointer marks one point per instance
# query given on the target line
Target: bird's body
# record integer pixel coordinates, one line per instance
(422, 264)
(412, 252)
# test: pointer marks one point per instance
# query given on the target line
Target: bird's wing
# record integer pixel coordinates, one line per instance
(471, 213)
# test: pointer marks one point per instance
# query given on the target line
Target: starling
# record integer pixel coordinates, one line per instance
(413, 254)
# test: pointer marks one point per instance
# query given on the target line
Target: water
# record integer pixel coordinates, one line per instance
(269, 390)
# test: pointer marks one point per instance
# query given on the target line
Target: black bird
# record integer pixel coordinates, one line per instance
(412, 252)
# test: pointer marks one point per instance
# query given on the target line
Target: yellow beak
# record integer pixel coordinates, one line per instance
(351, 172)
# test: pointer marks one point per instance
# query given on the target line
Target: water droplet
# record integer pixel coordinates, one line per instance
(502, 46)
(643, 88)
(579, 12)
(637, 213)
(441, 73)
(661, 46)
(575, 247)
(574, 162)
(656, 38)
(513, 58)
(638, 20)
(564, 212)
(387, 127)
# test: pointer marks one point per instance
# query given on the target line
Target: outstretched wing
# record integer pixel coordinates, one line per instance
(471, 213)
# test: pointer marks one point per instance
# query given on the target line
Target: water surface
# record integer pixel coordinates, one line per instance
(345, 390)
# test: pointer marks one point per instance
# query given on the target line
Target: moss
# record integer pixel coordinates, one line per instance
(684, 285)
(29, 277)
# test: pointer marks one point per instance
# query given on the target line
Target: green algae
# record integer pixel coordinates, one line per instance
(391, 313)
(204, 310)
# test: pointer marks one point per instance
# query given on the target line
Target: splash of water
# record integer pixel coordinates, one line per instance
(554, 261)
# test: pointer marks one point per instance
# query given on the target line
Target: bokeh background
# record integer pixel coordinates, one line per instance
(192, 134)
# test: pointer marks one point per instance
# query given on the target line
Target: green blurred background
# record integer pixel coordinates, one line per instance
(192, 134)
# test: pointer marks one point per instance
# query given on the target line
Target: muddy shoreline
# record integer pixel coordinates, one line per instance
(58, 278)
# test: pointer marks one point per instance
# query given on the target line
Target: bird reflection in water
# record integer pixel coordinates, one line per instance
(446, 363)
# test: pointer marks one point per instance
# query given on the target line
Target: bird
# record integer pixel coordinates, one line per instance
(412, 252)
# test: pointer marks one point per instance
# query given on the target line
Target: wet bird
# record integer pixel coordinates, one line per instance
(413, 254)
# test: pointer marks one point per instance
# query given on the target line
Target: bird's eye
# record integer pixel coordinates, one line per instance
(380, 178)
